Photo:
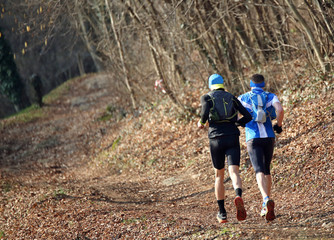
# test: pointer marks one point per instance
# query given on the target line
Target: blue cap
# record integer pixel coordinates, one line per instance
(216, 81)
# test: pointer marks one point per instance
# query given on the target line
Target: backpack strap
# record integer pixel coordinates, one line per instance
(210, 94)
(263, 97)
(259, 101)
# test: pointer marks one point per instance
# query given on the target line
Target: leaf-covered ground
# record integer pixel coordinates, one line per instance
(86, 172)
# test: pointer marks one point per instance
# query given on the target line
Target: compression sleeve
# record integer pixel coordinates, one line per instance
(205, 108)
(246, 116)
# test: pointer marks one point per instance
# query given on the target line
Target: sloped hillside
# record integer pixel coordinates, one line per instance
(83, 168)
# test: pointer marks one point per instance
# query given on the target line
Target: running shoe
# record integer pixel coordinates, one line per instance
(263, 211)
(222, 217)
(241, 212)
(268, 210)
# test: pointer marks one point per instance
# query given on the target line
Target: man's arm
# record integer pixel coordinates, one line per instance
(280, 113)
(246, 116)
(204, 111)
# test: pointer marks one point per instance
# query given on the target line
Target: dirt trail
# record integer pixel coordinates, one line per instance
(51, 189)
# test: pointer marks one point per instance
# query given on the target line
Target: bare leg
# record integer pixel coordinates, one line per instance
(264, 184)
(269, 183)
(219, 184)
(235, 176)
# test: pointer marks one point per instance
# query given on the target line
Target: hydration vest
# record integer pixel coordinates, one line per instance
(222, 109)
(260, 112)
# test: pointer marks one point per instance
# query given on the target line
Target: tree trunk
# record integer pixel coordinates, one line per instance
(176, 69)
(328, 29)
(80, 65)
(282, 34)
(242, 38)
(86, 39)
(121, 55)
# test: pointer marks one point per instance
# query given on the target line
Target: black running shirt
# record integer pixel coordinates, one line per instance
(225, 128)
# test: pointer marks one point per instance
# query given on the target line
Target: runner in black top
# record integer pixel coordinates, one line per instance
(224, 141)
(225, 128)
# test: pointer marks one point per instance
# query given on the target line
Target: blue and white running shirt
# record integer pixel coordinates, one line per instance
(256, 129)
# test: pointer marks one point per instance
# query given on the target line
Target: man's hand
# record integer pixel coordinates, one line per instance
(200, 125)
(277, 129)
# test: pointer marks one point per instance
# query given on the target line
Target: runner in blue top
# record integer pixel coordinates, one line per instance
(260, 136)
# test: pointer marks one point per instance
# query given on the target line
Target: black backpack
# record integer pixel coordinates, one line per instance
(222, 109)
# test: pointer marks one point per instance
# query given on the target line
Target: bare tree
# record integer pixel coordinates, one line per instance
(85, 35)
(309, 34)
(157, 39)
(154, 53)
(121, 55)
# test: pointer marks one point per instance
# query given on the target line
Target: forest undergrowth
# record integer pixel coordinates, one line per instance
(87, 169)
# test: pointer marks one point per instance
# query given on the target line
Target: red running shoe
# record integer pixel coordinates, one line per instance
(241, 212)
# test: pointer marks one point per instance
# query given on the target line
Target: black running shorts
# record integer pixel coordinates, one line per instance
(261, 151)
(225, 146)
